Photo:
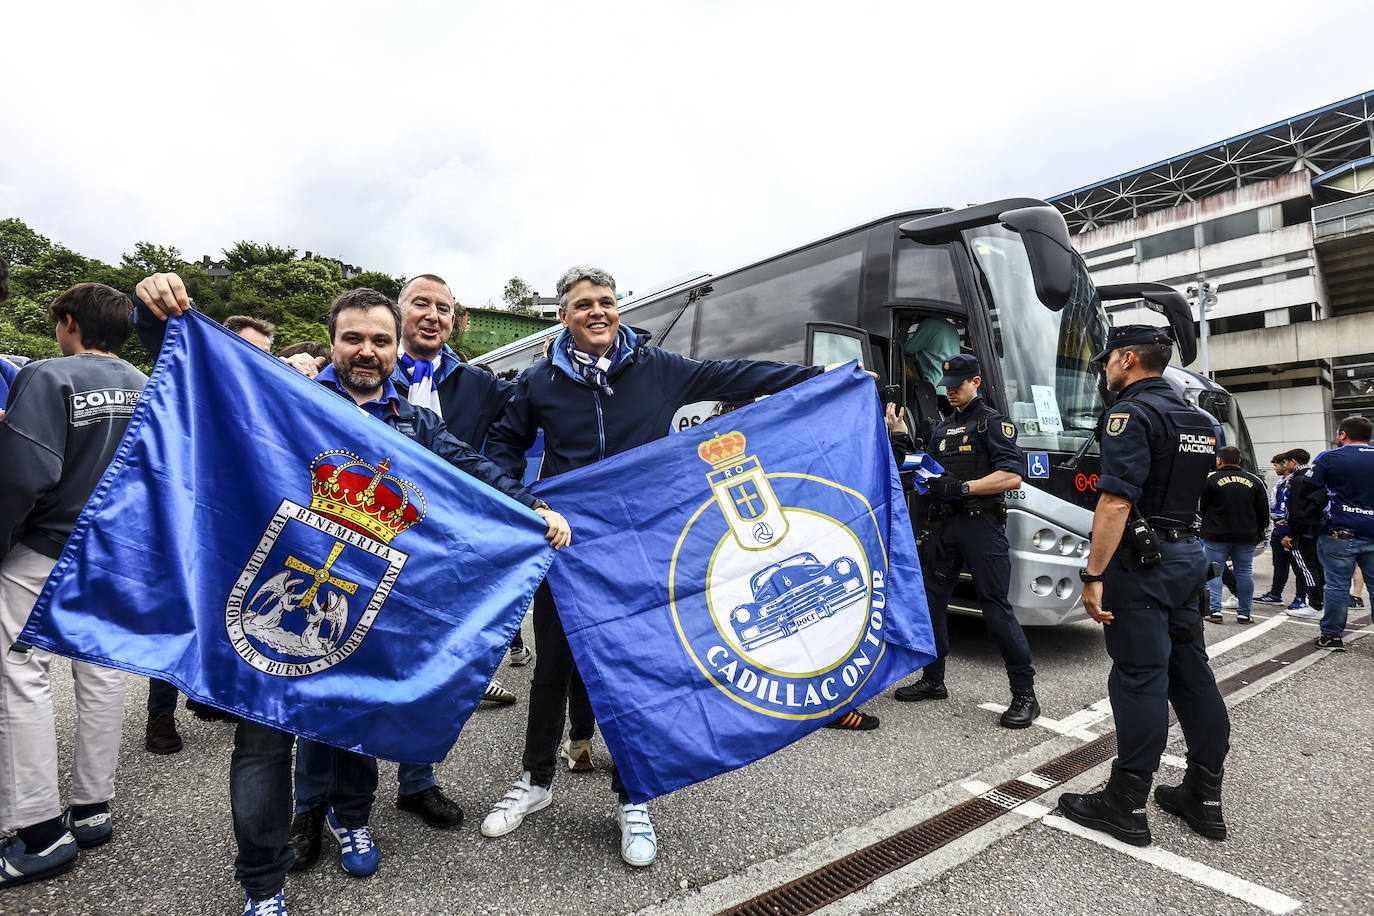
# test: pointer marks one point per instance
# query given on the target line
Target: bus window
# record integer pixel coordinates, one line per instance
(829, 344)
(1051, 382)
(513, 363)
(653, 316)
(924, 272)
(761, 312)
(678, 338)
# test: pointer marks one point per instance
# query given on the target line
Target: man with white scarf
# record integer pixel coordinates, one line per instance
(432, 374)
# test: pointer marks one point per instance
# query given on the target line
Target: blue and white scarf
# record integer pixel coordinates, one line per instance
(594, 368)
(421, 375)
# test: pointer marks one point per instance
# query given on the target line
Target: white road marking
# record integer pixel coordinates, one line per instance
(1047, 723)
(1244, 636)
(1173, 761)
(1090, 715)
(1030, 809)
(1035, 779)
(1217, 880)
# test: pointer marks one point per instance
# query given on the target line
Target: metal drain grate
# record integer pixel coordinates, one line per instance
(857, 870)
(1266, 668)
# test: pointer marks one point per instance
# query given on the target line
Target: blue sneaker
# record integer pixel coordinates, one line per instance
(19, 866)
(357, 854)
(1269, 598)
(89, 831)
(276, 906)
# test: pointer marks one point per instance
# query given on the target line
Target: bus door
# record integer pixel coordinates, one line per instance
(922, 341)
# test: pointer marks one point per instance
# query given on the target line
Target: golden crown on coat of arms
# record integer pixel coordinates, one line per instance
(720, 449)
(367, 499)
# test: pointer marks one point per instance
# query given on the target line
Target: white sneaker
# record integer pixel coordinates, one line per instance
(578, 754)
(638, 842)
(510, 811)
(1305, 612)
(1230, 601)
(497, 693)
(521, 657)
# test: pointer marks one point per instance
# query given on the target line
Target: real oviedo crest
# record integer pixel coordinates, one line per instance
(777, 586)
(319, 575)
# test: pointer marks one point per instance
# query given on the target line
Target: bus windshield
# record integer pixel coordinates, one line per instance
(1222, 405)
(1052, 384)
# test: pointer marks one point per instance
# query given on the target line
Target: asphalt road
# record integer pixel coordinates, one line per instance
(1296, 801)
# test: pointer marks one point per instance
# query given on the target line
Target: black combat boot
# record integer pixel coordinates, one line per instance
(1023, 710)
(1119, 809)
(1197, 801)
(921, 690)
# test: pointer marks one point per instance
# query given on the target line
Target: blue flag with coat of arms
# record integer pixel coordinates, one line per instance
(273, 551)
(730, 589)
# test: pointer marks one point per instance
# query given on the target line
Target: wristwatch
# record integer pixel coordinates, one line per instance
(540, 504)
(1087, 576)
(963, 488)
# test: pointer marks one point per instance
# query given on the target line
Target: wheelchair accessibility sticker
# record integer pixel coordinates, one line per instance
(1038, 465)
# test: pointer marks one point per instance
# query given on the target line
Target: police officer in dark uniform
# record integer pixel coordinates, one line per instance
(1144, 581)
(977, 448)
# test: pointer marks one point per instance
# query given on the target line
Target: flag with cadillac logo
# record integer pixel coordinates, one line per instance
(730, 589)
(273, 551)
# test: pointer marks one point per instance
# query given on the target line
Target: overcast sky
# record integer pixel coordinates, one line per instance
(653, 138)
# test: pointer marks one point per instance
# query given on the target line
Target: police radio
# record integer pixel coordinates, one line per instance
(1141, 541)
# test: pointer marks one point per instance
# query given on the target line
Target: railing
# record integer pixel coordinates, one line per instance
(1343, 217)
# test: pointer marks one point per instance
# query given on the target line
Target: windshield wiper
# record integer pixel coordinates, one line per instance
(1077, 456)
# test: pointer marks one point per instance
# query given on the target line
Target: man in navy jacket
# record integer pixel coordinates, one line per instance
(601, 391)
(1345, 477)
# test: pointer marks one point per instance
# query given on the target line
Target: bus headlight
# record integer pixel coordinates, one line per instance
(1044, 539)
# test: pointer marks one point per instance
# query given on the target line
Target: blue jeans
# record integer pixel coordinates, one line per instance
(162, 697)
(260, 800)
(1242, 558)
(315, 775)
(1279, 555)
(1339, 556)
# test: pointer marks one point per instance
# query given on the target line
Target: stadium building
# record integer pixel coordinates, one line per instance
(1279, 224)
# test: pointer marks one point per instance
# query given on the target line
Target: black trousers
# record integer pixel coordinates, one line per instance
(162, 697)
(1309, 568)
(554, 670)
(1156, 662)
(980, 543)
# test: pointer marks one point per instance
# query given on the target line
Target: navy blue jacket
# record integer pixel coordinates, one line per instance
(427, 428)
(1347, 474)
(472, 398)
(583, 424)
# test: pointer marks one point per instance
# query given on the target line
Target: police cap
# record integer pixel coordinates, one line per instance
(958, 368)
(1133, 335)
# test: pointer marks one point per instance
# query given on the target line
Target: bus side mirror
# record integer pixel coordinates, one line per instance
(1052, 258)
(1168, 302)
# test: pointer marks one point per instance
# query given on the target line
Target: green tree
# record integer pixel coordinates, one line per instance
(519, 297)
(26, 331)
(314, 278)
(148, 258)
(371, 279)
(246, 255)
(19, 244)
(208, 294)
(55, 270)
